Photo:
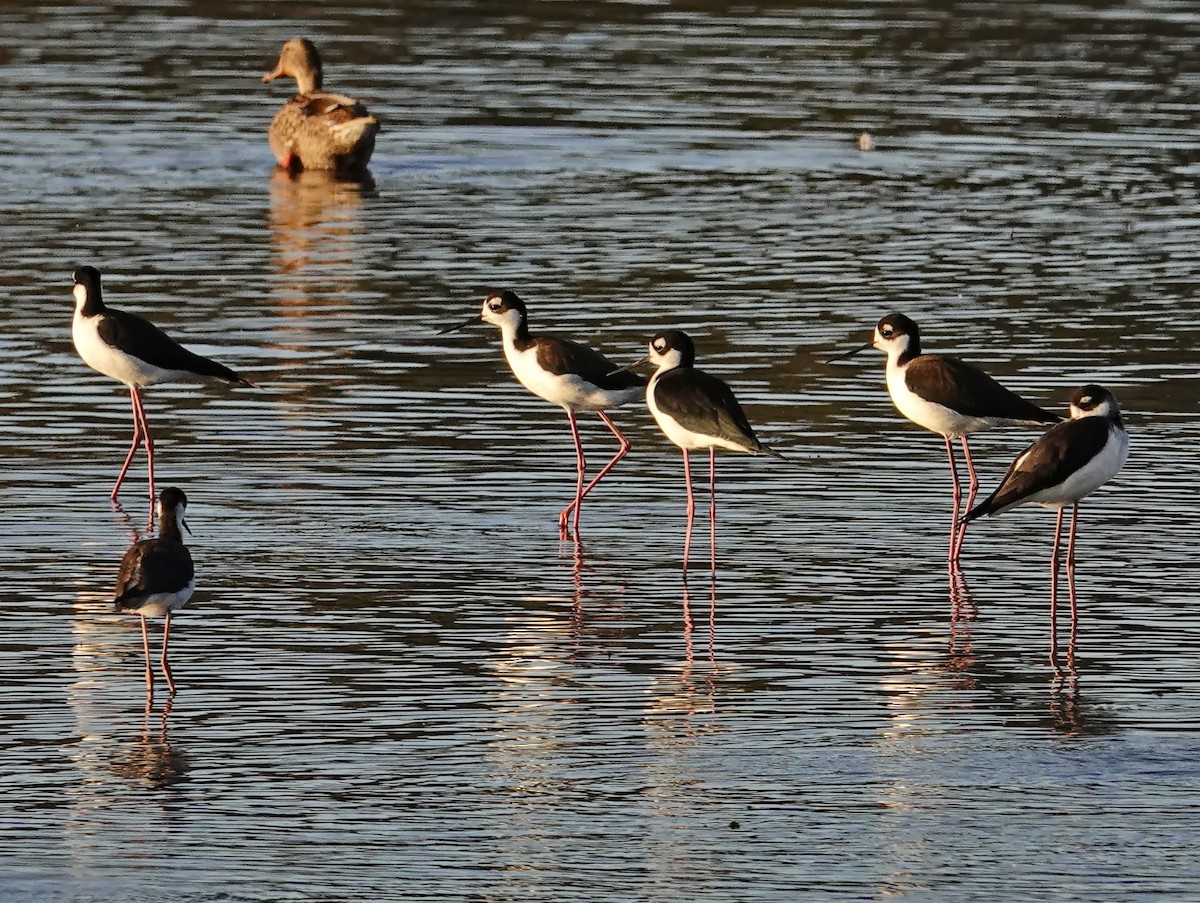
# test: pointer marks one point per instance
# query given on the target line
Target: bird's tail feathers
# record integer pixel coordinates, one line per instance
(764, 449)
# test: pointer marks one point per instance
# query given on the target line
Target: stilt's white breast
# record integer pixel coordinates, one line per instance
(158, 604)
(930, 414)
(104, 358)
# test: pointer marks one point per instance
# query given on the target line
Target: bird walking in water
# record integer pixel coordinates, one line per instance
(157, 577)
(316, 129)
(947, 396)
(568, 374)
(134, 351)
(696, 410)
(1070, 461)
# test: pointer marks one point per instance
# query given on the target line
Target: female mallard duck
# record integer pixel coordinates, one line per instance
(317, 130)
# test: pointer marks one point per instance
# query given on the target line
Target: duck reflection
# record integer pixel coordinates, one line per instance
(150, 760)
(314, 224)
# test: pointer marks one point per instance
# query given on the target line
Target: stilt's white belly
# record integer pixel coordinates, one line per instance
(566, 390)
(1090, 477)
(679, 434)
(158, 604)
(928, 414)
(102, 357)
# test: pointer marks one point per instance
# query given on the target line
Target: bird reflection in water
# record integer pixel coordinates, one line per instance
(688, 621)
(315, 222)
(1064, 702)
(960, 656)
(125, 522)
(150, 760)
(577, 581)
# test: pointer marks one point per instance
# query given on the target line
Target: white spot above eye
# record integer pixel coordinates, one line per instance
(1087, 399)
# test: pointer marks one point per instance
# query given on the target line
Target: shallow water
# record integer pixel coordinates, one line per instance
(396, 681)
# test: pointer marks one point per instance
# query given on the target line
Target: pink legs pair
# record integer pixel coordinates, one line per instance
(1054, 562)
(166, 667)
(958, 531)
(141, 433)
(712, 547)
(580, 489)
(691, 508)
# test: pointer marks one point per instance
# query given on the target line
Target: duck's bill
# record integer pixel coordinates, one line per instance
(851, 353)
(274, 73)
(469, 321)
(629, 367)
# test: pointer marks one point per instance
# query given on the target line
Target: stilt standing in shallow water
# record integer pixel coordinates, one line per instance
(134, 351)
(1072, 460)
(948, 397)
(157, 577)
(564, 373)
(696, 410)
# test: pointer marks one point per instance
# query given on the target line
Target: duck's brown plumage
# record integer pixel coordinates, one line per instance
(316, 129)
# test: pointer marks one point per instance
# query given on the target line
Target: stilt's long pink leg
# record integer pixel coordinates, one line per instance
(957, 498)
(1054, 592)
(137, 441)
(581, 463)
(712, 507)
(621, 453)
(166, 666)
(147, 437)
(691, 509)
(146, 647)
(974, 489)
(1071, 584)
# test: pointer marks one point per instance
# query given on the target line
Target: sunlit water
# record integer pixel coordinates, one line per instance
(396, 681)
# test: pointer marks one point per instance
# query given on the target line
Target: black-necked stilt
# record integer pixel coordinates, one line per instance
(1070, 461)
(949, 397)
(564, 373)
(157, 576)
(136, 352)
(696, 411)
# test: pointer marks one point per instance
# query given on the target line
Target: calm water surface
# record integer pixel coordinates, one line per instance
(396, 681)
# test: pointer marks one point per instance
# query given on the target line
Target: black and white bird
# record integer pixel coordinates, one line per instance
(1070, 461)
(134, 351)
(947, 396)
(696, 410)
(157, 577)
(565, 373)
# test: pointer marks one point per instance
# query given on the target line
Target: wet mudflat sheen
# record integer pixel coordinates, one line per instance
(396, 680)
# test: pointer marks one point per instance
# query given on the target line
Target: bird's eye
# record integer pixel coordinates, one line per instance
(494, 305)
(659, 347)
(886, 332)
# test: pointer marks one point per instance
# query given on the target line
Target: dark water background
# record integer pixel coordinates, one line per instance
(396, 681)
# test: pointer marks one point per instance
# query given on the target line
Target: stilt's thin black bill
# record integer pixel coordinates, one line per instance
(844, 355)
(463, 325)
(629, 367)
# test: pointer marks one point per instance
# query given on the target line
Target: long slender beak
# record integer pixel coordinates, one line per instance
(274, 73)
(842, 357)
(185, 526)
(469, 321)
(629, 367)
